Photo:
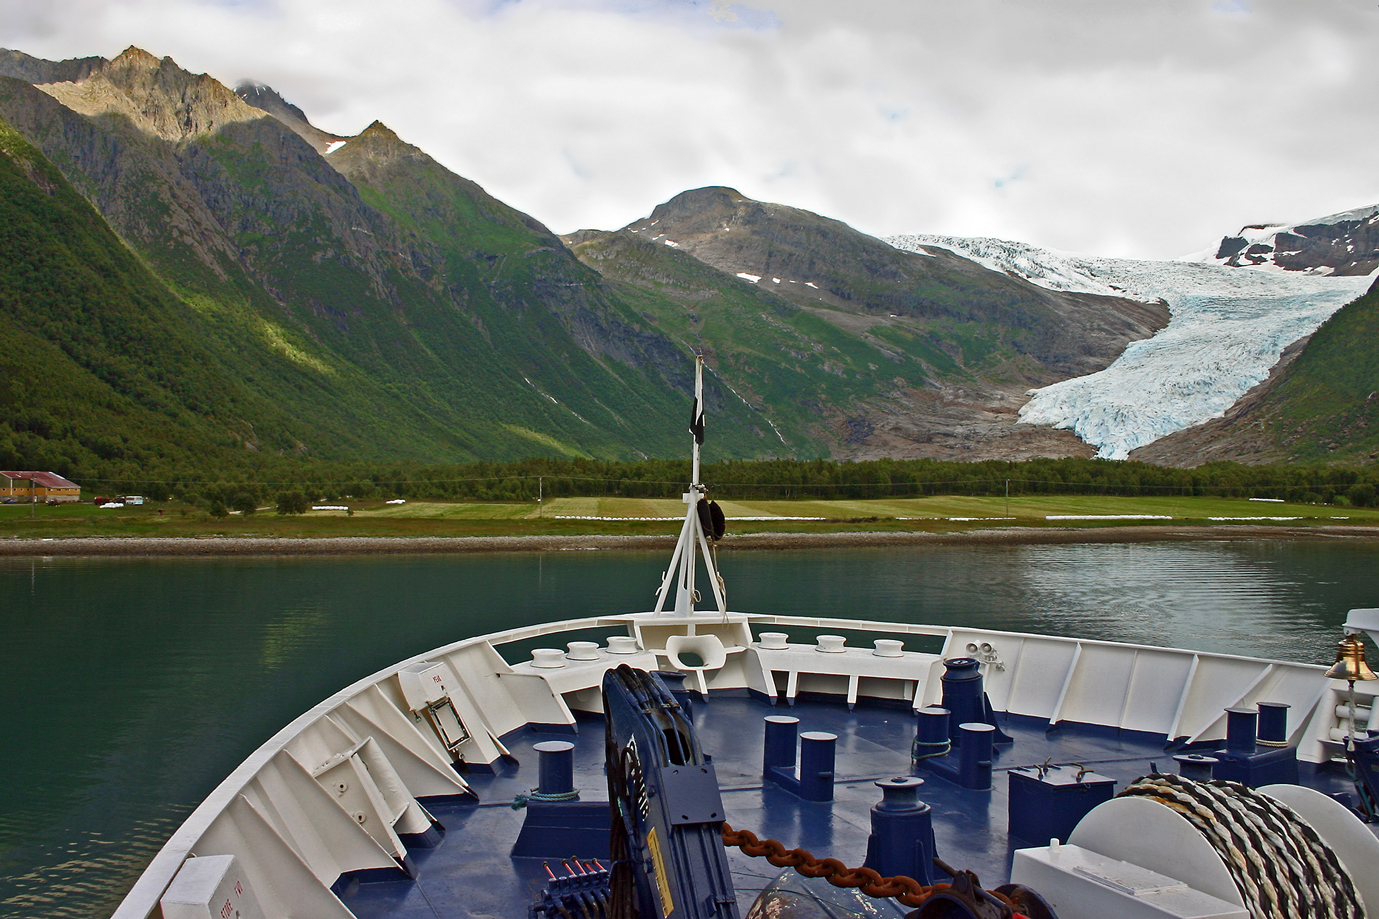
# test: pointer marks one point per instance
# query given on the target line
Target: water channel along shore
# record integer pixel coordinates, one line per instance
(381, 545)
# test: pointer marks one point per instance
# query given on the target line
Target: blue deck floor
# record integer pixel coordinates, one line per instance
(471, 874)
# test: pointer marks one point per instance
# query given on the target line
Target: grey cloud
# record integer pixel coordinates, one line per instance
(1111, 128)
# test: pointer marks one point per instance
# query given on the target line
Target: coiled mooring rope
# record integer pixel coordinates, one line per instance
(1282, 869)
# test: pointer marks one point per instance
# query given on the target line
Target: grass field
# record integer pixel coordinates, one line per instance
(571, 516)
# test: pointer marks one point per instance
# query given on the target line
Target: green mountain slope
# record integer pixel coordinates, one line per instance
(986, 322)
(842, 339)
(374, 324)
(355, 300)
(100, 369)
(1321, 404)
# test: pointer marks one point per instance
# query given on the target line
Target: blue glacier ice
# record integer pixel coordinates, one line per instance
(1228, 327)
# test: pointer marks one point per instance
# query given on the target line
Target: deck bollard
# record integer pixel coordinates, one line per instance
(1240, 729)
(931, 734)
(779, 752)
(556, 770)
(582, 651)
(962, 693)
(1195, 766)
(902, 832)
(816, 758)
(817, 752)
(1273, 724)
(975, 754)
(1242, 760)
(547, 658)
(965, 697)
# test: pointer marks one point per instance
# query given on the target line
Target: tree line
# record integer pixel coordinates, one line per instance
(524, 480)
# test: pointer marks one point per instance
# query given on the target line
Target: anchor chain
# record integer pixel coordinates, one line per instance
(905, 889)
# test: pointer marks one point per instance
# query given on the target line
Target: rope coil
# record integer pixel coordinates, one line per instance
(1276, 860)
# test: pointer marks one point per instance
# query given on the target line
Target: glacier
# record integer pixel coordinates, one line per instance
(1227, 328)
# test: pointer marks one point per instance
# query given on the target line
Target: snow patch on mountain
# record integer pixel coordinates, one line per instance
(1228, 327)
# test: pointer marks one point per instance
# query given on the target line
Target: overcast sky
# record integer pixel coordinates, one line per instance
(1100, 126)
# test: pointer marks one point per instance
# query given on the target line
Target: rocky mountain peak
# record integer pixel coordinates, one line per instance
(266, 99)
(699, 210)
(135, 58)
(1340, 244)
(156, 96)
(30, 69)
(376, 148)
(380, 144)
(380, 132)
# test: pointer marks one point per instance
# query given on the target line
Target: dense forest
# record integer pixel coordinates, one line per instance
(773, 479)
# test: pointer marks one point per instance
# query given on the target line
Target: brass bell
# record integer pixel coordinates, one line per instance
(1350, 661)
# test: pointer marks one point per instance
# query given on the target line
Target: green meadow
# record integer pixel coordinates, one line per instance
(622, 515)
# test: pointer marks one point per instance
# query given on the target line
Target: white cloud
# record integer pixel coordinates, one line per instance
(1114, 129)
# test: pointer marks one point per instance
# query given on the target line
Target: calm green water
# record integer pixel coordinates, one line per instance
(132, 687)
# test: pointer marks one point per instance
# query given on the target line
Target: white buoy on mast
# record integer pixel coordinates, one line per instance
(693, 540)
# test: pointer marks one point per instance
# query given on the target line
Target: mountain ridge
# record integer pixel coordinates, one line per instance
(279, 254)
(393, 307)
(938, 351)
(1346, 243)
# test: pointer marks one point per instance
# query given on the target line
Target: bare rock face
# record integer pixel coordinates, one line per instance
(156, 96)
(266, 99)
(1343, 244)
(20, 66)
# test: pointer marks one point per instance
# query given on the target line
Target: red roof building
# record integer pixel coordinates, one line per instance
(37, 486)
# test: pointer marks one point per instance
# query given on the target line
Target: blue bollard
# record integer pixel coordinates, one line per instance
(975, 754)
(931, 734)
(1273, 724)
(779, 752)
(556, 768)
(962, 693)
(1240, 729)
(817, 752)
(1241, 761)
(902, 832)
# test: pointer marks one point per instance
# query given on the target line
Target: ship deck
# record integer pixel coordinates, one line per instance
(472, 874)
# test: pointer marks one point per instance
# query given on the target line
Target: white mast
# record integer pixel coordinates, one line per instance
(692, 538)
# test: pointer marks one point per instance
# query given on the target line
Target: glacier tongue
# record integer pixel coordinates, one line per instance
(1227, 328)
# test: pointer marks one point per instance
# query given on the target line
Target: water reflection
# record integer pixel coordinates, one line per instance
(133, 686)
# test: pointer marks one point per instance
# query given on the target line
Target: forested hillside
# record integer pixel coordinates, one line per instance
(100, 368)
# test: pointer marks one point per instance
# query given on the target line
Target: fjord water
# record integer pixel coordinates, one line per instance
(132, 687)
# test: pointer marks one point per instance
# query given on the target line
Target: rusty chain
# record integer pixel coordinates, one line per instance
(905, 889)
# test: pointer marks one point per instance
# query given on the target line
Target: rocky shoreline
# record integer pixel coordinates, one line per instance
(137, 546)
